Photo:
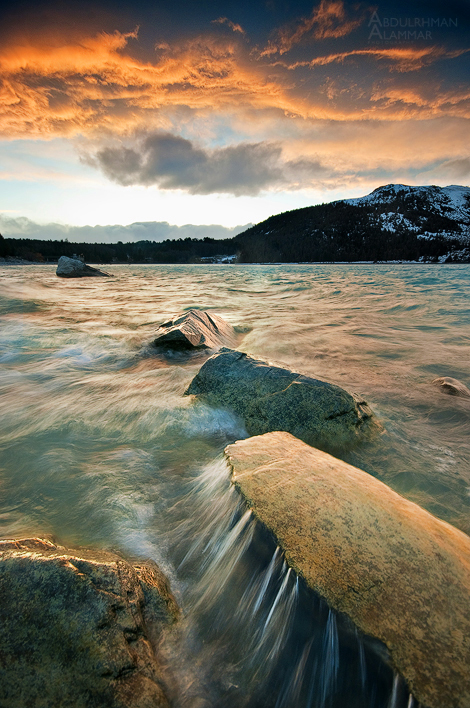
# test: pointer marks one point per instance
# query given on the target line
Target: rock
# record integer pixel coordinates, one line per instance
(79, 629)
(453, 387)
(401, 574)
(193, 329)
(76, 268)
(273, 398)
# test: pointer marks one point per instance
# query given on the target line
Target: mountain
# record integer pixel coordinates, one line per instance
(394, 222)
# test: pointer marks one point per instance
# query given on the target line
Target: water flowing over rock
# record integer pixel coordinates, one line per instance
(80, 629)
(272, 398)
(401, 574)
(453, 387)
(76, 268)
(195, 329)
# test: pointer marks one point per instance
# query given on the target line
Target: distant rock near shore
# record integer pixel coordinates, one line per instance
(80, 629)
(451, 386)
(195, 329)
(273, 398)
(76, 268)
(401, 574)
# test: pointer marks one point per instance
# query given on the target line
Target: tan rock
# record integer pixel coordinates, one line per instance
(402, 575)
(451, 386)
(80, 628)
(195, 329)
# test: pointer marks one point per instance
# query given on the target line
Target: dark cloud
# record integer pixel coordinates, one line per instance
(139, 231)
(173, 162)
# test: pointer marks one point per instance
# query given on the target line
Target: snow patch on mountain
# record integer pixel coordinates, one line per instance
(453, 197)
(413, 207)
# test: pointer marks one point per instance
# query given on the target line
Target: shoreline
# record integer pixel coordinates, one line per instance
(19, 262)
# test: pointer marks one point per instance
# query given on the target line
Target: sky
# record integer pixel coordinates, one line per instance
(158, 118)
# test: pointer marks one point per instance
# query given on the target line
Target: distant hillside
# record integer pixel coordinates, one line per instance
(394, 222)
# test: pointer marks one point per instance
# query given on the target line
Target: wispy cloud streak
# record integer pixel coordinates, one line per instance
(328, 20)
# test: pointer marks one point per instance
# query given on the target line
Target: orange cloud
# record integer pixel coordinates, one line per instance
(94, 85)
(410, 98)
(401, 59)
(328, 20)
(233, 26)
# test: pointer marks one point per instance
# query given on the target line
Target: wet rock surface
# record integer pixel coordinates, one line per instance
(193, 330)
(453, 387)
(270, 398)
(80, 629)
(76, 268)
(401, 574)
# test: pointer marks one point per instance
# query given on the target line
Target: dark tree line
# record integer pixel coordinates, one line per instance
(188, 250)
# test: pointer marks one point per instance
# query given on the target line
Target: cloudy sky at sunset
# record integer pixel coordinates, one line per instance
(224, 112)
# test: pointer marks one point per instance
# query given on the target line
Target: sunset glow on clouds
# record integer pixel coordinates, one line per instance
(230, 107)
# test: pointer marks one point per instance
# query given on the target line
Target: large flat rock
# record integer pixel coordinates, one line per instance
(401, 574)
(272, 398)
(80, 629)
(195, 329)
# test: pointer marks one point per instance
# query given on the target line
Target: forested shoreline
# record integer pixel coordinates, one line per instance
(408, 227)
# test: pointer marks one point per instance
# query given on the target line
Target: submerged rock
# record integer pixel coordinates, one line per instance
(401, 574)
(195, 329)
(76, 268)
(453, 387)
(273, 398)
(80, 629)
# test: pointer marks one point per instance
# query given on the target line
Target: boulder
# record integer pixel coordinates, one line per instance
(76, 268)
(401, 574)
(80, 629)
(195, 329)
(272, 398)
(451, 386)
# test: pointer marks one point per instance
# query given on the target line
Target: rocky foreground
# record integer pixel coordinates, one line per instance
(80, 629)
(401, 574)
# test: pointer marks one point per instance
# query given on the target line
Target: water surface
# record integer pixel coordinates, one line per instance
(99, 447)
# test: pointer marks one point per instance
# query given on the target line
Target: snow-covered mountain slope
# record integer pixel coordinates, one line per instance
(393, 222)
(454, 196)
(418, 209)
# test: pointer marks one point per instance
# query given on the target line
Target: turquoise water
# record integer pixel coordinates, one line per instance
(99, 447)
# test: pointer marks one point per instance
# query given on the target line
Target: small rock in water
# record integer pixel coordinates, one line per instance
(453, 387)
(80, 629)
(76, 268)
(401, 574)
(195, 329)
(272, 398)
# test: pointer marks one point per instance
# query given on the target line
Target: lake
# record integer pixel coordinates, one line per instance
(99, 447)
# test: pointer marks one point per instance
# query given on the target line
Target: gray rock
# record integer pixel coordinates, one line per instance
(76, 268)
(401, 574)
(80, 629)
(451, 386)
(195, 329)
(273, 398)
